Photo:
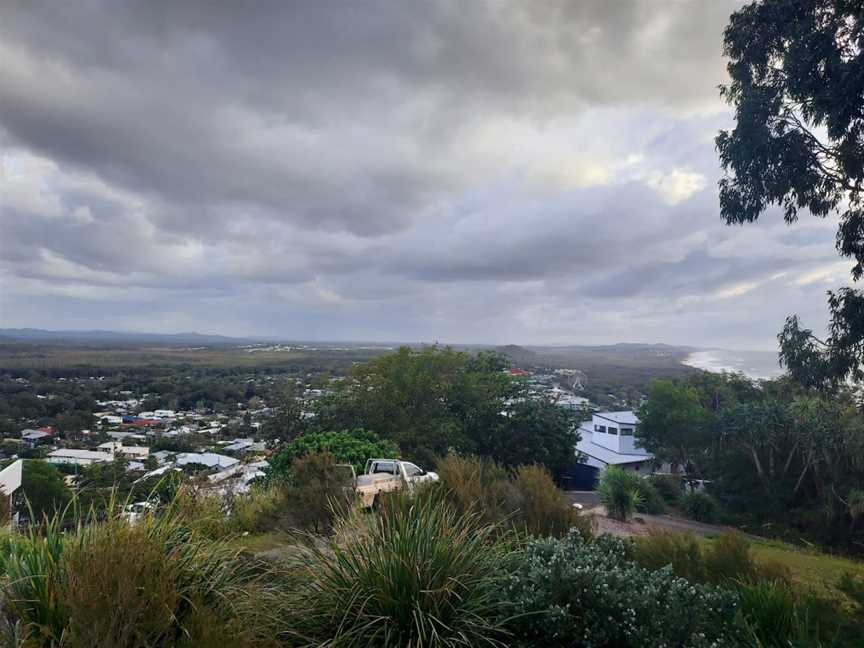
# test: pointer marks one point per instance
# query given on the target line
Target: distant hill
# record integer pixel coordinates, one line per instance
(42, 336)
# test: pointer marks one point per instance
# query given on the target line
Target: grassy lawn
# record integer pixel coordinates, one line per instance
(810, 569)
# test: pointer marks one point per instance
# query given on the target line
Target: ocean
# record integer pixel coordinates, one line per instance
(753, 364)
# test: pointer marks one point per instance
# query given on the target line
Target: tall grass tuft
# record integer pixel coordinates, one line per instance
(619, 492)
(543, 510)
(415, 574)
(159, 582)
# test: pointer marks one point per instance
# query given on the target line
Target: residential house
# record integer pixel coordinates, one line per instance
(78, 457)
(609, 440)
(35, 437)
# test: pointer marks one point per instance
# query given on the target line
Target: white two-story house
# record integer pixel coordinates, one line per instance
(609, 440)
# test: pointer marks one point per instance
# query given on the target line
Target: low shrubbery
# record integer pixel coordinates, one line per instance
(526, 500)
(668, 487)
(649, 500)
(157, 583)
(306, 498)
(727, 559)
(576, 592)
(699, 506)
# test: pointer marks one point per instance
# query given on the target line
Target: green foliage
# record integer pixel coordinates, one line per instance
(44, 487)
(347, 446)
(526, 500)
(673, 424)
(307, 497)
(700, 506)
(155, 583)
(681, 551)
(769, 611)
(543, 510)
(477, 485)
(435, 400)
(724, 561)
(316, 491)
(619, 492)
(649, 500)
(798, 95)
(668, 487)
(572, 592)
(415, 574)
(533, 432)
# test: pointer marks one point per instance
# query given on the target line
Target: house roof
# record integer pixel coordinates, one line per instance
(74, 453)
(625, 418)
(209, 459)
(607, 456)
(33, 435)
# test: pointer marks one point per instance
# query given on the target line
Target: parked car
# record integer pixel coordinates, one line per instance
(387, 475)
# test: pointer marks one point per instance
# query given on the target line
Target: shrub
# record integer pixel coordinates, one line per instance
(543, 509)
(728, 558)
(307, 499)
(477, 484)
(417, 573)
(571, 592)
(528, 501)
(649, 498)
(668, 486)
(346, 446)
(661, 548)
(699, 506)
(619, 492)
(769, 611)
(107, 583)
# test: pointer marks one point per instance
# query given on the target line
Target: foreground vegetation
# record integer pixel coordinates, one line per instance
(488, 556)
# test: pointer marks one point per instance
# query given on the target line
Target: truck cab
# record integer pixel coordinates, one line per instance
(386, 475)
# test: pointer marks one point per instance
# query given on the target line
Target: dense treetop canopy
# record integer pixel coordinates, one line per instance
(797, 86)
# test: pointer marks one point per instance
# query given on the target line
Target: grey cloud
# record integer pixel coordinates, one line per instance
(386, 170)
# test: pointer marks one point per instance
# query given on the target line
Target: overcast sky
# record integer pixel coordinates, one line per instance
(525, 172)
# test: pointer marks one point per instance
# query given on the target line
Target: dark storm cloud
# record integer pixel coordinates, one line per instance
(311, 168)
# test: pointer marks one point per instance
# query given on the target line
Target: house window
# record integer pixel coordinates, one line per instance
(612, 430)
(626, 431)
(599, 428)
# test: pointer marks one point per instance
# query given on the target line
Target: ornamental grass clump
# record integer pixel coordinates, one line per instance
(415, 574)
(619, 492)
(158, 582)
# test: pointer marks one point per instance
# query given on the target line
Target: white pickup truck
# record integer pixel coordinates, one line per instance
(385, 475)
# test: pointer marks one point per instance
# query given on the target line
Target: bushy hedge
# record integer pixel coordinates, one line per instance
(700, 507)
(578, 592)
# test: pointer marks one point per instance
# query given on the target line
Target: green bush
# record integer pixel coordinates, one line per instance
(769, 611)
(724, 561)
(346, 446)
(543, 510)
(660, 548)
(650, 500)
(728, 558)
(619, 492)
(668, 486)
(415, 574)
(307, 498)
(700, 507)
(526, 500)
(157, 583)
(575, 592)
(477, 484)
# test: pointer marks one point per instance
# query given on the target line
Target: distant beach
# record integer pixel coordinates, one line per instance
(753, 364)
